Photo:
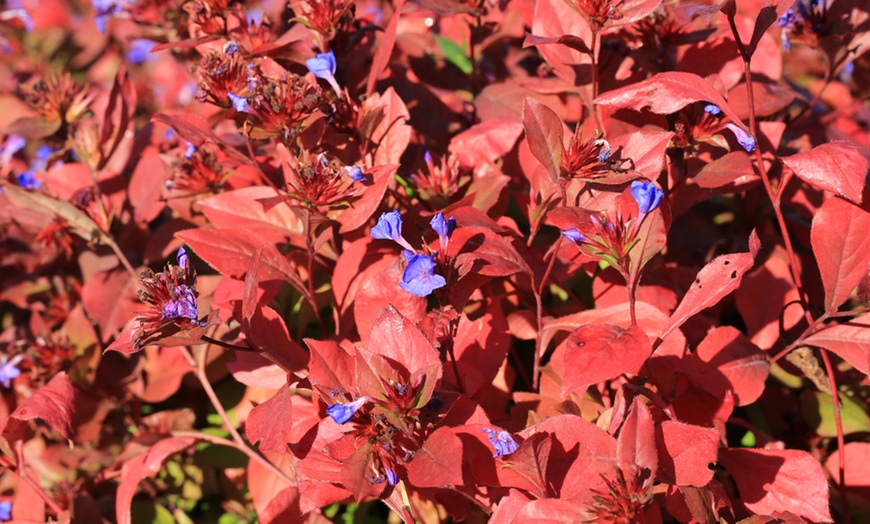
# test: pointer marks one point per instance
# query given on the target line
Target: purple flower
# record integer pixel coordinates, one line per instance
(182, 258)
(11, 145)
(444, 228)
(745, 140)
(389, 227)
(419, 278)
(189, 151)
(5, 511)
(239, 103)
(323, 66)
(712, 109)
(502, 442)
(28, 180)
(183, 306)
(355, 173)
(392, 478)
(341, 413)
(231, 48)
(604, 154)
(647, 196)
(573, 235)
(19, 13)
(140, 51)
(8, 369)
(105, 9)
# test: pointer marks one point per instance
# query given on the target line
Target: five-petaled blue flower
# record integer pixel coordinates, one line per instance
(240, 103)
(389, 227)
(323, 66)
(712, 109)
(9, 369)
(444, 228)
(28, 180)
(743, 137)
(355, 173)
(647, 196)
(341, 413)
(502, 442)
(5, 511)
(419, 278)
(392, 478)
(573, 235)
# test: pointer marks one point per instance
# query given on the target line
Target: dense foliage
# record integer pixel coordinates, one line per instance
(434, 260)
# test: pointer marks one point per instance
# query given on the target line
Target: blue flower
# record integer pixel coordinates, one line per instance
(105, 9)
(323, 66)
(573, 235)
(419, 278)
(182, 259)
(341, 413)
(189, 151)
(604, 154)
(183, 305)
(502, 442)
(712, 109)
(355, 173)
(5, 511)
(392, 478)
(9, 369)
(239, 103)
(231, 48)
(11, 145)
(28, 180)
(647, 196)
(444, 228)
(140, 51)
(389, 227)
(743, 137)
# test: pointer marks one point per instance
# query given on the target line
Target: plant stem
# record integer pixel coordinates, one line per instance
(539, 308)
(841, 441)
(21, 473)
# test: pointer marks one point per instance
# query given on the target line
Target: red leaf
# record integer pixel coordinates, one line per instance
(850, 340)
(435, 465)
(731, 362)
(480, 347)
(544, 133)
(393, 134)
(332, 367)
(842, 248)
(762, 299)
(494, 256)
(599, 352)
(554, 19)
(725, 170)
(230, 251)
(110, 299)
(269, 335)
(667, 93)
(486, 142)
(361, 210)
(857, 468)
(552, 511)
(240, 209)
(256, 371)
(838, 166)
(146, 188)
(196, 131)
(381, 289)
(144, 465)
(714, 282)
(52, 404)
(582, 453)
(272, 422)
(385, 49)
(771, 480)
(686, 453)
(636, 444)
(530, 461)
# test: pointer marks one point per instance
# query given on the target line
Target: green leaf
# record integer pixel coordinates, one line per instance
(818, 411)
(455, 54)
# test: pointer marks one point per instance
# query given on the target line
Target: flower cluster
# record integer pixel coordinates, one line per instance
(610, 242)
(172, 297)
(586, 159)
(439, 183)
(806, 24)
(502, 442)
(419, 277)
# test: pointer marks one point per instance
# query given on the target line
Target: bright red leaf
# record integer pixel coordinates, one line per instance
(839, 167)
(599, 352)
(686, 453)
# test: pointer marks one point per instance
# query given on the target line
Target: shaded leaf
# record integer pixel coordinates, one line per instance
(841, 246)
(53, 405)
(436, 463)
(772, 480)
(544, 133)
(272, 422)
(849, 340)
(729, 361)
(837, 166)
